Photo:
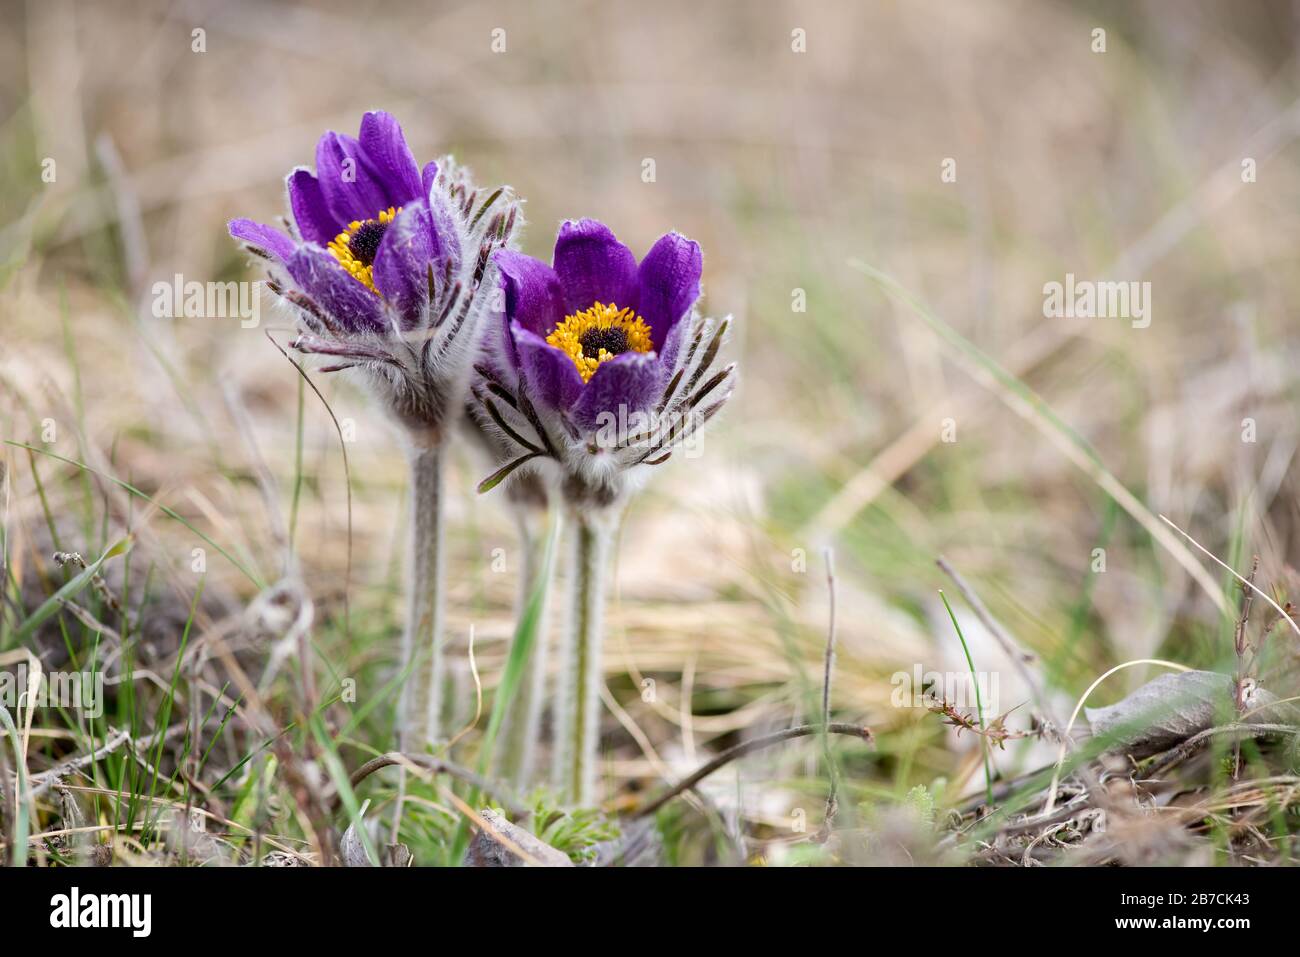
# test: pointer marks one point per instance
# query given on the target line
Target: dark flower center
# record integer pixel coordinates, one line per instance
(364, 243)
(610, 338)
(598, 334)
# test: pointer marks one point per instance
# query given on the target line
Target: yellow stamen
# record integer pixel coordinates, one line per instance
(340, 248)
(594, 325)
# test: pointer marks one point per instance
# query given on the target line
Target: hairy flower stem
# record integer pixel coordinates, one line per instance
(421, 641)
(523, 726)
(577, 731)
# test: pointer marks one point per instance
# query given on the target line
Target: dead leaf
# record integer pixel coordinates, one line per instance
(351, 847)
(1169, 709)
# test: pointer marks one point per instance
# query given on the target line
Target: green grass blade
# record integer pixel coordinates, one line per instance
(979, 703)
(19, 850)
(165, 714)
(51, 605)
(128, 487)
(339, 775)
(527, 630)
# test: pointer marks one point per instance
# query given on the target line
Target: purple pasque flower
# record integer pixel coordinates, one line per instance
(388, 266)
(599, 364)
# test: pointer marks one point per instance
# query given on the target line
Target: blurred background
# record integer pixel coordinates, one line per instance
(972, 152)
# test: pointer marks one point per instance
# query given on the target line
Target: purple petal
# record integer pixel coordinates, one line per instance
(428, 176)
(264, 237)
(335, 291)
(350, 188)
(402, 263)
(622, 386)
(669, 283)
(533, 293)
(390, 159)
(552, 378)
(310, 211)
(593, 266)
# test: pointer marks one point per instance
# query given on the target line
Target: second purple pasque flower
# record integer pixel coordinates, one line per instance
(601, 362)
(602, 366)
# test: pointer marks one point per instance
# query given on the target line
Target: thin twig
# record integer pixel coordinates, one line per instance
(1247, 599)
(744, 748)
(1188, 747)
(42, 782)
(434, 765)
(1239, 647)
(832, 797)
(1233, 572)
(1014, 651)
(830, 639)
